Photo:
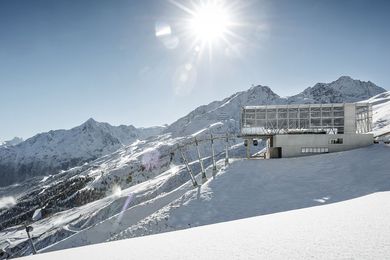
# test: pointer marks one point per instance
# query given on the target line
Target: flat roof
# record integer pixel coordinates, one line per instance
(306, 105)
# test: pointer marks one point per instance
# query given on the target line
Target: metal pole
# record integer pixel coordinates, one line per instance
(29, 238)
(213, 155)
(204, 178)
(227, 150)
(248, 153)
(188, 169)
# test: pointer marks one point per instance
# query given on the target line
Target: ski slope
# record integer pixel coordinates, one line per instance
(251, 188)
(248, 188)
(381, 113)
(352, 229)
(161, 199)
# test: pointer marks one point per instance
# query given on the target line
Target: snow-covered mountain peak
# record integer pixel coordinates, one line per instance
(344, 79)
(14, 141)
(344, 89)
(264, 92)
(47, 153)
(90, 121)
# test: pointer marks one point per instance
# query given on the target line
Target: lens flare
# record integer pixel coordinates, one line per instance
(210, 22)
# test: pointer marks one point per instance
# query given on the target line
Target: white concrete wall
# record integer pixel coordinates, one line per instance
(292, 144)
(349, 118)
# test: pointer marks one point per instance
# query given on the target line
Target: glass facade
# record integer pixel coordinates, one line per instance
(305, 118)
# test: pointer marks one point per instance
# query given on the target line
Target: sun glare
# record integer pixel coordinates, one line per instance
(210, 22)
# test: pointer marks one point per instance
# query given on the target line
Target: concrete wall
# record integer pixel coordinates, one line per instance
(349, 118)
(292, 144)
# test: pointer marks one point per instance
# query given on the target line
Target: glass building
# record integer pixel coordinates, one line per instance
(306, 118)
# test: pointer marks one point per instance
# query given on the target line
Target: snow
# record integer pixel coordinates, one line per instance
(247, 188)
(7, 201)
(353, 229)
(37, 215)
(48, 153)
(156, 190)
(257, 187)
(381, 113)
(14, 141)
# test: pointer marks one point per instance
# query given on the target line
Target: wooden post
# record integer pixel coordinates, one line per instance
(188, 169)
(204, 178)
(227, 150)
(213, 155)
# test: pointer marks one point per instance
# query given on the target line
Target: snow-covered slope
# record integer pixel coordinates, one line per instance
(47, 153)
(12, 142)
(353, 229)
(50, 152)
(256, 187)
(381, 114)
(244, 189)
(354, 224)
(123, 189)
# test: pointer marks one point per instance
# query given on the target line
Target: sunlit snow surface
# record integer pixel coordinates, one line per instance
(381, 113)
(352, 229)
(164, 200)
(248, 189)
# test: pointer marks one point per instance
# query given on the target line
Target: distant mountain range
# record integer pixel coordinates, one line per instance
(48, 153)
(81, 178)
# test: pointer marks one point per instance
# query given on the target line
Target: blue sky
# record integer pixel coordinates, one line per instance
(62, 62)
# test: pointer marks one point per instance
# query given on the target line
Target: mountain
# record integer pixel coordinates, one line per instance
(96, 201)
(381, 115)
(222, 116)
(344, 89)
(12, 142)
(223, 113)
(50, 152)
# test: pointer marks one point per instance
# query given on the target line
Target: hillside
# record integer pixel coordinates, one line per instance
(244, 189)
(381, 114)
(50, 152)
(350, 220)
(118, 194)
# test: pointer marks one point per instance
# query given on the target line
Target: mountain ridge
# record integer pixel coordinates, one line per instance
(50, 152)
(344, 89)
(56, 150)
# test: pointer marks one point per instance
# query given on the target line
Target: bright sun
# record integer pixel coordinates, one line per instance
(209, 22)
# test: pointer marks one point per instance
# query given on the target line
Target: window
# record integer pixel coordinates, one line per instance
(314, 150)
(326, 122)
(336, 141)
(315, 112)
(293, 112)
(315, 122)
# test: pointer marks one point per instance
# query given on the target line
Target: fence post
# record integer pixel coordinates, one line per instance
(204, 178)
(213, 156)
(188, 169)
(227, 150)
